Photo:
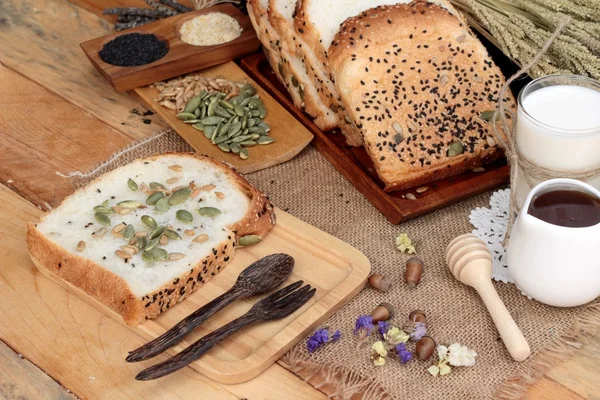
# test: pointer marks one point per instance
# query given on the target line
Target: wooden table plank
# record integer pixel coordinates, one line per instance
(84, 349)
(580, 373)
(40, 39)
(21, 380)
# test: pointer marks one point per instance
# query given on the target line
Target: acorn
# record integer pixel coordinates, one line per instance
(414, 271)
(424, 348)
(380, 282)
(383, 312)
(417, 316)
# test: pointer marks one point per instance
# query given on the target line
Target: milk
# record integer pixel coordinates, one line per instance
(559, 127)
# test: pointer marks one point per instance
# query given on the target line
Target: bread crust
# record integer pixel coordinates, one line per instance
(113, 291)
(418, 91)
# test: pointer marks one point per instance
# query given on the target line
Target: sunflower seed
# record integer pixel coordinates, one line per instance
(209, 211)
(122, 210)
(490, 141)
(195, 193)
(80, 246)
(249, 240)
(123, 255)
(184, 116)
(102, 218)
(220, 195)
(99, 233)
(128, 232)
(207, 188)
(244, 154)
(478, 169)
(154, 197)
(163, 240)
(184, 216)
(173, 180)
(162, 205)
(200, 238)
(171, 234)
(176, 256)
(443, 80)
(189, 232)
(131, 250)
(422, 189)
(118, 228)
(159, 254)
(147, 256)
(180, 196)
(132, 185)
(265, 140)
(151, 244)
(410, 196)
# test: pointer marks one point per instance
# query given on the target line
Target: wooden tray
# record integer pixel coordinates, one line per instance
(290, 135)
(181, 58)
(355, 164)
(335, 268)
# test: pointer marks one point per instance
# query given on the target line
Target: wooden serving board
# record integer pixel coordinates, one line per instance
(289, 134)
(335, 268)
(181, 57)
(356, 165)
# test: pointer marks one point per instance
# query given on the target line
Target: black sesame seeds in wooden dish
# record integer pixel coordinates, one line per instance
(181, 58)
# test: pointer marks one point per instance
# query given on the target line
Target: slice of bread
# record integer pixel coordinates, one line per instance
(416, 82)
(76, 241)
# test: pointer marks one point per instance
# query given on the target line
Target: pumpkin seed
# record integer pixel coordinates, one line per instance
(254, 113)
(193, 104)
(245, 121)
(254, 103)
(235, 148)
(154, 197)
(294, 81)
(245, 102)
(224, 147)
(147, 256)
(157, 232)
(104, 209)
(248, 143)
(262, 112)
(398, 138)
(156, 185)
(192, 121)
(212, 120)
(208, 131)
(162, 205)
(184, 216)
(102, 218)
(141, 242)
(239, 110)
(221, 112)
(180, 196)
(176, 256)
(198, 112)
(264, 125)
(280, 69)
(132, 185)
(244, 154)
(235, 129)
(252, 122)
(258, 129)
(487, 115)
(184, 116)
(149, 222)
(131, 204)
(455, 149)
(198, 126)
(171, 234)
(265, 140)
(221, 139)
(159, 254)
(249, 240)
(129, 232)
(151, 244)
(200, 238)
(301, 92)
(254, 136)
(240, 138)
(248, 90)
(209, 211)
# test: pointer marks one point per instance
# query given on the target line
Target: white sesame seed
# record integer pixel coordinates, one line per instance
(210, 29)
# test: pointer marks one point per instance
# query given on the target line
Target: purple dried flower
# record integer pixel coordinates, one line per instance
(363, 327)
(403, 353)
(419, 331)
(320, 337)
(383, 327)
(336, 336)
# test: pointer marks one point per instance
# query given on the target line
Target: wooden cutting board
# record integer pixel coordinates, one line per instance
(335, 268)
(289, 134)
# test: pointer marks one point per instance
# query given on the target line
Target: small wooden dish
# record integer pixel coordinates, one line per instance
(181, 57)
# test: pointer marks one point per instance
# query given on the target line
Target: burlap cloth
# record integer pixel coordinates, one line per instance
(309, 188)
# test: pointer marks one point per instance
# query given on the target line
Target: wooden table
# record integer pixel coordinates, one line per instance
(57, 114)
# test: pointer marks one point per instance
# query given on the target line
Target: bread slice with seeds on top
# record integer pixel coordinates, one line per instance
(96, 238)
(418, 84)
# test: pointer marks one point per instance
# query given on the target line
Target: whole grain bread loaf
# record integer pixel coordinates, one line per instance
(419, 87)
(144, 236)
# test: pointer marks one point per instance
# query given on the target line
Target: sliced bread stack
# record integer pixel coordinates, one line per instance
(143, 237)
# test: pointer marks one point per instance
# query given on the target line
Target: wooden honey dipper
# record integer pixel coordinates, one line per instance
(471, 263)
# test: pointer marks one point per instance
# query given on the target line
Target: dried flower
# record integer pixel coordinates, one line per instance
(395, 336)
(378, 353)
(420, 330)
(440, 369)
(404, 244)
(320, 337)
(457, 355)
(364, 326)
(383, 327)
(403, 353)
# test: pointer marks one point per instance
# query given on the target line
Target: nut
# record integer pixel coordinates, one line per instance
(417, 316)
(424, 348)
(380, 282)
(414, 271)
(383, 312)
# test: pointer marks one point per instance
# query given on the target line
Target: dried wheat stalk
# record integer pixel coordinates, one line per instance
(520, 28)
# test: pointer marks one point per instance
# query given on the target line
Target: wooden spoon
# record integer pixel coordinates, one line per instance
(260, 277)
(471, 263)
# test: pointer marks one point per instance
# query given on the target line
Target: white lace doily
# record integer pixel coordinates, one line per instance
(490, 226)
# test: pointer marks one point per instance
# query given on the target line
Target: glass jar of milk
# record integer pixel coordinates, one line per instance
(558, 126)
